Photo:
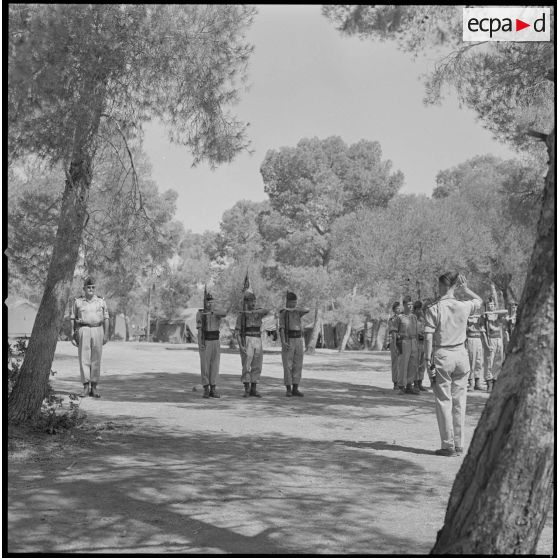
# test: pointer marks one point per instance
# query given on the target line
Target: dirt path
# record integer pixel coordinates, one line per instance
(349, 468)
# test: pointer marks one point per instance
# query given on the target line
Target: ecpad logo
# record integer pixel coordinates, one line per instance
(506, 24)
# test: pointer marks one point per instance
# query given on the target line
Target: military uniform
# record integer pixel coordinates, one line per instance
(208, 323)
(421, 362)
(252, 359)
(494, 351)
(89, 318)
(474, 344)
(291, 325)
(407, 333)
(392, 329)
(446, 320)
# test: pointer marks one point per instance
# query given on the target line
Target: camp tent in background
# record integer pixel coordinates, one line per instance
(21, 316)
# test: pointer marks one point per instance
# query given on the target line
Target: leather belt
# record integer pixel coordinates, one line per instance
(211, 335)
(294, 333)
(248, 334)
(469, 336)
(91, 325)
(494, 336)
(449, 346)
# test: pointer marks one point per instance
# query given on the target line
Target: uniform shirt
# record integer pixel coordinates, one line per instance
(447, 319)
(406, 325)
(294, 323)
(89, 312)
(253, 319)
(475, 327)
(492, 323)
(212, 320)
(392, 324)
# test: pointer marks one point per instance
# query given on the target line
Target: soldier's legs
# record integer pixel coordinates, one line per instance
(245, 376)
(498, 351)
(488, 361)
(443, 397)
(287, 358)
(404, 358)
(412, 368)
(421, 362)
(97, 335)
(459, 394)
(257, 359)
(84, 354)
(213, 360)
(204, 364)
(394, 363)
(298, 356)
(474, 347)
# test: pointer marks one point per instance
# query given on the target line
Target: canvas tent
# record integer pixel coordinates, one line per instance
(21, 316)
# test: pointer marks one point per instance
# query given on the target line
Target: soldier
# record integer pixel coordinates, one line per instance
(417, 311)
(447, 360)
(249, 337)
(292, 344)
(208, 322)
(494, 349)
(90, 324)
(510, 322)
(392, 345)
(474, 343)
(407, 344)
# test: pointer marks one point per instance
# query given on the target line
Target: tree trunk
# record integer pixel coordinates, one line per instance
(311, 348)
(127, 324)
(367, 335)
(25, 399)
(374, 334)
(501, 495)
(346, 336)
(381, 336)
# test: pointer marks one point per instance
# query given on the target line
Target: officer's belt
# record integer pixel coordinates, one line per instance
(294, 333)
(249, 334)
(449, 346)
(473, 336)
(211, 335)
(91, 325)
(495, 335)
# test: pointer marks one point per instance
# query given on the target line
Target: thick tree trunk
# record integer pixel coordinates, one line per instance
(346, 336)
(311, 348)
(501, 495)
(25, 400)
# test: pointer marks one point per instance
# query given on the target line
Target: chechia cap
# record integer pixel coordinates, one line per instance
(89, 282)
(417, 304)
(291, 295)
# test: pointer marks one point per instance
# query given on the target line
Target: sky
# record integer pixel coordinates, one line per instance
(307, 80)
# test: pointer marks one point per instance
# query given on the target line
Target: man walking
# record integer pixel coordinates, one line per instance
(447, 359)
(292, 344)
(208, 322)
(90, 324)
(249, 337)
(407, 339)
(392, 332)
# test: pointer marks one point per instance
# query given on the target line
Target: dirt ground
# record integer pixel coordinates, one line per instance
(349, 468)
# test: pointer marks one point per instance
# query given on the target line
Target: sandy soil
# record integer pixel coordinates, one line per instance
(349, 468)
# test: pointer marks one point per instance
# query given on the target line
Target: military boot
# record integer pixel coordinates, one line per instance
(289, 391)
(296, 392)
(246, 389)
(94, 392)
(420, 386)
(86, 390)
(206, 391)
(416, 387)
(253, 391)
(213, 393)
(410, 389)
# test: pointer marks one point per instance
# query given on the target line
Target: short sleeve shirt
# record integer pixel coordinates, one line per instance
(446, 319)
(492, 323)
(294, 322)
(253, 319)
(392, 324)
(406, 325)
(475, 326)
(212, 321)
(89, 312)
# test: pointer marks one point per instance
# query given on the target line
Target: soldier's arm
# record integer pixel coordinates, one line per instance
(106, 322)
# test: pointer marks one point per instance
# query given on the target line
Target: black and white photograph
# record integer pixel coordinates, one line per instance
(279, 279)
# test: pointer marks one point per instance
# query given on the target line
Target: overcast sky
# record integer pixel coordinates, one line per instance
(307, 80)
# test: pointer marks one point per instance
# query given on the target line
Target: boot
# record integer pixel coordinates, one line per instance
(420, 386)
(253, 391)
(410, 389)
(416, 387)
(395, 388)
(94, 392)
(206, 391)
(246, 389)
(86, 391)
(213, 393)
(289, 392)
(296, 392)
(477, 384)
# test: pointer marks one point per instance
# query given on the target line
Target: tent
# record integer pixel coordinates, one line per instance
(21, 316)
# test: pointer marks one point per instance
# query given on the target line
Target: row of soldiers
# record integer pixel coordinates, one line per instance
(487, 334)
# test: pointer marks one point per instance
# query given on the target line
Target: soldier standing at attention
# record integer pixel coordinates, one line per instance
(407, 339)
(417, 311)
(494, 349)
(249, 337)
(447, 359)
(208, 322)
(474, 344)
(392, 345)
(292, 344)
(90, 319)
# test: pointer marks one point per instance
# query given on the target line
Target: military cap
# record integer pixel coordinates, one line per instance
(291, 295)
(89, 282)
(407, 298)
(417, 304)
(449, 278)
(395, 305)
